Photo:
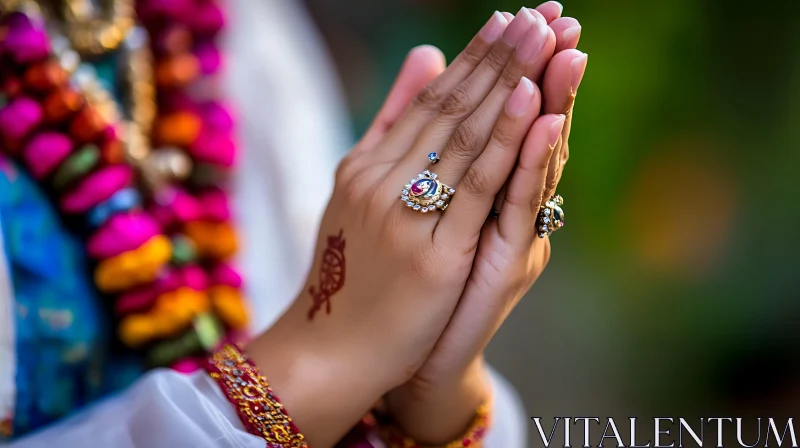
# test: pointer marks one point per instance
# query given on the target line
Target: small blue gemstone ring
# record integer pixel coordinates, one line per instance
(433, 157)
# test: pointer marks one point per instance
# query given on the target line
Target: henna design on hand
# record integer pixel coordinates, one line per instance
(331, 275)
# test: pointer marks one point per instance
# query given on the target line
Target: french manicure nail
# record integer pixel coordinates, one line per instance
(518, 27)
(493, 28)
(578, 68)
(532, 43)
(537, 16)
(572, 34)
(555, 130)
(520, 99)
(560, 6)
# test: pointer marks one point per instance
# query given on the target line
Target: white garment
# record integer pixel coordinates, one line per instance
(166, 409)
(292, 131)
(8, 356)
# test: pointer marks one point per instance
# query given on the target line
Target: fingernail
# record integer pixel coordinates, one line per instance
(555, 130)
(532, 43)
(578, 69)
(493, 28)
(518, 27)
(560, 6)
(509, 17)
(572, 34)
(520, 99)
(537, 16)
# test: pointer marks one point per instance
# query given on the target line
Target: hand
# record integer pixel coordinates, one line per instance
(387, 279)
(439, 402)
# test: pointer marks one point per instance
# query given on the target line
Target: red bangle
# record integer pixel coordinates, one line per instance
(258, 407)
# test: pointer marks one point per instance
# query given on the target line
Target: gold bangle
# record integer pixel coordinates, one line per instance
(258, 407)
(472, 438)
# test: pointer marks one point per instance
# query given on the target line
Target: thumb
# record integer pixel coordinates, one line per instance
(422, 65)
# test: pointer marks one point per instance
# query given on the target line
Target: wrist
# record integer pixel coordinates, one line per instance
(436, 413)
(321, 381)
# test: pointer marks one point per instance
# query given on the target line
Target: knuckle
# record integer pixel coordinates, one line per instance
(349, 186)
(515, 199)
(457, 105)
(496, 60)
(476, 181)
(473, 54)
(504, 137)
(427, 98)
(343, 170)
(352, 194)
(510, 78)
(463, 142)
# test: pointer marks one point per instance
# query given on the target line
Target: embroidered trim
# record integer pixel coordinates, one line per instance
(258, 407)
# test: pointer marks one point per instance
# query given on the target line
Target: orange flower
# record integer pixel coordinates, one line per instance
(229, 305)
(133, 267)
(216, 240)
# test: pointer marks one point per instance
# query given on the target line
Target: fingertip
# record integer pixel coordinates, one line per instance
(567, 31)
(427, 56)
(578, 69)
(538, 16)
(509, 17)
(519, 102)
(493, 28)
(550, 10)
(558, 88)
(523, 21)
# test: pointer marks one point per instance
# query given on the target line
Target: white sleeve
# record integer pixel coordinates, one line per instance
(8, 357)
(163, 409)
(509, 419)
(170, 409)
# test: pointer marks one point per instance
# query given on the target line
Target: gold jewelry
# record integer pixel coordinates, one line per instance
(259, 409)
(94, 28)
(138, 106)
(550, 217)
(425, 193)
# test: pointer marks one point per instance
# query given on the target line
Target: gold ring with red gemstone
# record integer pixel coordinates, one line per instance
(425, 193)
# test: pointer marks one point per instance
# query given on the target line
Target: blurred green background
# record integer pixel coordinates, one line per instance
(673, 290)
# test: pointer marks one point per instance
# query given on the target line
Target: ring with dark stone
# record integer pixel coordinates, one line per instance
(550, 217)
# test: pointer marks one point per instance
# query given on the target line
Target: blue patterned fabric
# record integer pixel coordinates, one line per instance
(62, 335)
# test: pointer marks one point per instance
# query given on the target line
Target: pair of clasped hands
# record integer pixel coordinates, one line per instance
(423, 294)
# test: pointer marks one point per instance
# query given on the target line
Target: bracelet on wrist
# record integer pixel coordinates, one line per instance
(258, 407)
(394, 437)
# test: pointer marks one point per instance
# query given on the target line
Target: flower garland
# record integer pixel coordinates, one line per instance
(192, 120)
(158, 230)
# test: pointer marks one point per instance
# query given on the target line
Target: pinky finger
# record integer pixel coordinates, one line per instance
(516, 223)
